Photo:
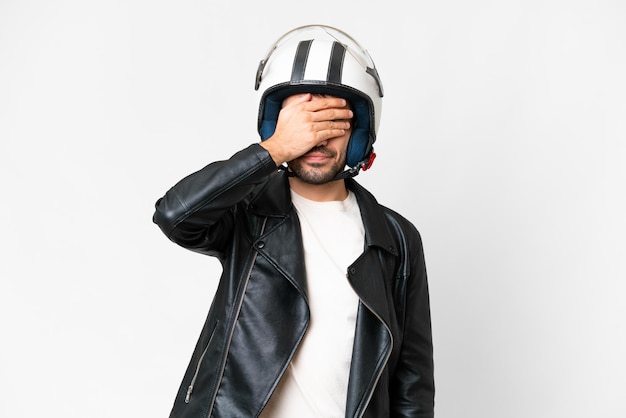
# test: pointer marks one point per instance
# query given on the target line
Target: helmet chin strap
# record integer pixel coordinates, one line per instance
(346, 174)
(353, 171)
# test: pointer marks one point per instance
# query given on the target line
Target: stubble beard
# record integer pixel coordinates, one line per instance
(316, 173)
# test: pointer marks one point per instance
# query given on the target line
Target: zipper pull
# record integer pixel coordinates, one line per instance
(189, 390)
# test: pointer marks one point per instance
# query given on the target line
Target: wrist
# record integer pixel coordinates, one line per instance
(274, 151)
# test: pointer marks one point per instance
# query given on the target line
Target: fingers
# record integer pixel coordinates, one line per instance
(306, 121)
(296, 99)
(332, 125)
(331, 115)
(327, 134)
(316, 113)
(321, 107)
(327, 109)
(316, 102)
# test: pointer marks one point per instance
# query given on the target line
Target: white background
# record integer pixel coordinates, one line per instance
(502, 138)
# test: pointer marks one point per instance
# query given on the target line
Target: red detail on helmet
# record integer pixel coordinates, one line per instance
(369, 162)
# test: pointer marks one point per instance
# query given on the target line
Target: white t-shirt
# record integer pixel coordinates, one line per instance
(316, 381)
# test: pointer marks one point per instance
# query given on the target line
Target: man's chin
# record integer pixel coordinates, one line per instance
(314, 174)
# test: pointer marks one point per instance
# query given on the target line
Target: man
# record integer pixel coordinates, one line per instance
(322, 309)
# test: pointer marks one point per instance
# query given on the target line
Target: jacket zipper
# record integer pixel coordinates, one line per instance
(195, 375)
(232, 328)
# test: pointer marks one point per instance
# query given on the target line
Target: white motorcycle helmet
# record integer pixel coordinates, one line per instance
(321, 59)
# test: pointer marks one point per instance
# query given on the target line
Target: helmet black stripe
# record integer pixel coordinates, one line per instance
(335, 65)
(299, 61)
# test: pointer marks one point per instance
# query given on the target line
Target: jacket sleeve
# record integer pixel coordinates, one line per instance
(413, 388)
(197, 213)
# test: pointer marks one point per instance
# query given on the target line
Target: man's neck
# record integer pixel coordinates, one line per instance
(334, 190)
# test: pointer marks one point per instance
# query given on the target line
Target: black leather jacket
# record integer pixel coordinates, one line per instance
(240, 211)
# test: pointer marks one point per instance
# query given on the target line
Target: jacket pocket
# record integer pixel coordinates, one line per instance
(198, 364)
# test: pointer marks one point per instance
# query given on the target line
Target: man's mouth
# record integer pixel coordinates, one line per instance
(319, 153)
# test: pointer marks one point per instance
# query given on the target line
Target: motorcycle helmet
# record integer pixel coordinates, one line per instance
(320, 59)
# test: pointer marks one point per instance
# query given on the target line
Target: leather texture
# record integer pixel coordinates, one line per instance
(239, 210)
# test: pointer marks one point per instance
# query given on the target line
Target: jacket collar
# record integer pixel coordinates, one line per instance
(374, 218)
(274, 199)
